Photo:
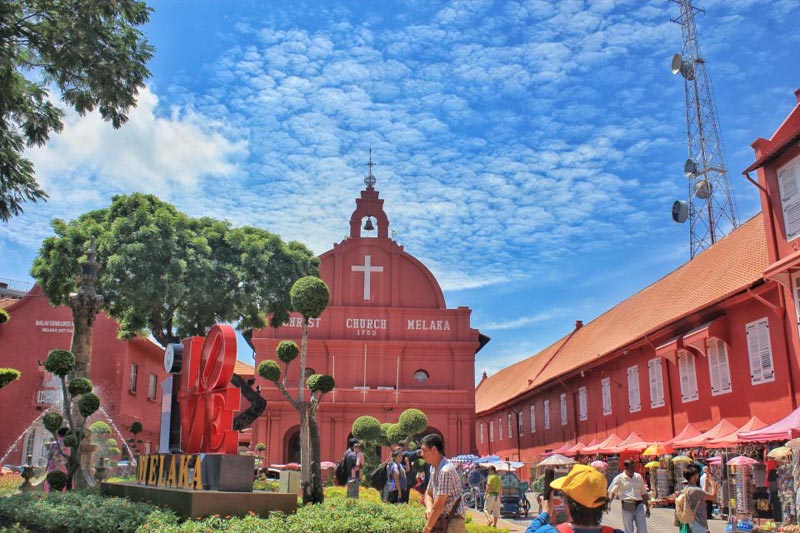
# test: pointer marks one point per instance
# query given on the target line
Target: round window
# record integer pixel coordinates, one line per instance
(421, 376)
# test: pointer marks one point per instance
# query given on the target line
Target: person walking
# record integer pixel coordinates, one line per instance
(629, 487)
(584, 493)
(491, 507)
(394, 476)
(705, 484)
(443, 496)
(695, 496)
(353, 463)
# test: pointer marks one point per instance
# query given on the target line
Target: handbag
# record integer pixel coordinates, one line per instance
(441, 523)
(628, 505)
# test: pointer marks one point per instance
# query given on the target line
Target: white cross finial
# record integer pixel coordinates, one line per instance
(367, 269)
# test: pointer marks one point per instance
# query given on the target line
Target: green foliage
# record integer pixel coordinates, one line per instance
(9, 483)
(384, 440)
(136, 428)
(366, 428)
(310, 296)
(100, 428)
(260, 447)
(78, 511)
(265, 485)
(4, 316)
(7, 375)
(71, 441)
(320, 382)
(91, 52)
(269, 370)
(60, 362)
(88, 404)
(57, 480)
(172, 275)
(287, 351)
(78, 386)
(412, 421)
(111, 442)
(395, 433)
(53, 421)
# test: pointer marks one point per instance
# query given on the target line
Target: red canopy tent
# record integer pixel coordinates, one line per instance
(633, 443)
(561, 449)
(611, 440)
(785, 429)
(722, 428)
(686, 433)
(575, 450)
(732, 439)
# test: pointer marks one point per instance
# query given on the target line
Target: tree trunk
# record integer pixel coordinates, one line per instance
(305, 453)
(317, 489)
(82, 320)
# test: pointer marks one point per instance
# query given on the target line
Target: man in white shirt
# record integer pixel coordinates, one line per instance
(630, 488)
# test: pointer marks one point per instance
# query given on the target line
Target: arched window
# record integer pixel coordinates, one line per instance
(308, 373)
(421, 376)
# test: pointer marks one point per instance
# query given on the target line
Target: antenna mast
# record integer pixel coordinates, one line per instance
(710, 208)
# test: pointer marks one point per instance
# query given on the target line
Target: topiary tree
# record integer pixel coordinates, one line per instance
(79, 403)
(4, 316)
(107, 447)
(369, 432)
(412, 422)
(309, 297)
(7, 375)
(260, 449)
(133, 442)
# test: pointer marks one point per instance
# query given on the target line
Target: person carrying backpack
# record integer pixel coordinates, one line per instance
(690, 509)
(584, 493)
(348, 471)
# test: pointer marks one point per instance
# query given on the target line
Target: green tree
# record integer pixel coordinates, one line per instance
(107, 446)
(309, 297)
(4, 316)
(7, 375)
(370, 433)
(92, 52)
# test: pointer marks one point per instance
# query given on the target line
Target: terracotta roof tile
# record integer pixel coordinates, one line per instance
(243, 369)
(5, 303)
(732, 264)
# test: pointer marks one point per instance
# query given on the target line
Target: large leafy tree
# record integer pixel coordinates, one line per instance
(92, 52)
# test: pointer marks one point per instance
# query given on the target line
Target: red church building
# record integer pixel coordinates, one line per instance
(125, 374)
(388, 339)
(717, 339)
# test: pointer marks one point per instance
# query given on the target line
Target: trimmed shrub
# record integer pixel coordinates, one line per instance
(100, 428)
(260, 447)
(52, 421)
(367, 428)
(78, 386)
(60, 362)
(412, 421)
(287, 351)
(7, 375)
(88, 404)
(269, 370)
(4, 316)
(309, 296)
(136, 428)
(320, 382)
(71, 441)
(57, 480)
(395, 433)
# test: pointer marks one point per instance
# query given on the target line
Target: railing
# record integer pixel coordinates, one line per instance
(47, 396)
(15, 285)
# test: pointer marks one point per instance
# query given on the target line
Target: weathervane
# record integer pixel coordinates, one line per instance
(370, 180)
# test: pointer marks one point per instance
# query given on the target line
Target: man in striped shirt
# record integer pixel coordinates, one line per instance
(443, 497)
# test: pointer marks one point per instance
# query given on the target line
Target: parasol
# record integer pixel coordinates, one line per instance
(503, 466)
(780, 452)
(293, 466)
(653, 464)
(657, 449)
(682, 459)
(325, 465)
(464, 459)
(557, 460)
(599, 464)
(487, 459)
(741, 460)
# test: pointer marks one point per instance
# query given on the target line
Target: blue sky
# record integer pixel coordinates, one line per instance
(529, 152)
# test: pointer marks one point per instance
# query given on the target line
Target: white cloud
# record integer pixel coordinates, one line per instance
(520, 322)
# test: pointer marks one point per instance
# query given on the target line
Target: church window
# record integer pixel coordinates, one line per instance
(547, 414)
(533, 418)
(760, 352)
(718, 367)
(421, 376)
(656, 382)
(491, 431)
(582, 414)
(500, 428)
(789, 184)
(688, 375)
(563, 402)
(132, 381)
(152, 387)
(634, 398)
(510, 425)
(605, 387)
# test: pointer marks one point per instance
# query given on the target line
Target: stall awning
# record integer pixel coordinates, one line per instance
(686, 433)
(722, 428)
(560, 450)
(633, 443)
(669, 350)
(698, 336)
(611, 440)
(732, 439)
(576, 449)
(784, 429)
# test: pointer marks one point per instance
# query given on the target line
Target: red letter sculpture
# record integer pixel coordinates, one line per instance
(207, 399)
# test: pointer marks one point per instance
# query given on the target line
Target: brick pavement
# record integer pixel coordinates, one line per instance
(660, 521)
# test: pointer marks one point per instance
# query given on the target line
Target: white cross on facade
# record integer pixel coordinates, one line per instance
(367, 269)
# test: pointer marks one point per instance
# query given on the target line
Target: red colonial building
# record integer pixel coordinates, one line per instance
(125, 374)
(715, 339)
(388, 339)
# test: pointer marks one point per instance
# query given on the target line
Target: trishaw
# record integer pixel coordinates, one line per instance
(514, 498)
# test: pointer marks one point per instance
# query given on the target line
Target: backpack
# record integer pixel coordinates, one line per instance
(683, 512)
(379, 476)
(343, 468)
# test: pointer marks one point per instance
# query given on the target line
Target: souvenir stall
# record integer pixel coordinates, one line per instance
(659, 472)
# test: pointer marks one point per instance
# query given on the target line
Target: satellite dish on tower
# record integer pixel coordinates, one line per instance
(702, 189)
(680, 211)
(686, 68)
(690, 168)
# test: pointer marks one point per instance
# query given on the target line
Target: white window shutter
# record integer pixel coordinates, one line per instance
(547, 414)
(656, 382)
(510, 426)
(500, 428)
(563, 409)
(634, 397)
(760, 352)
(789, 183)
(491, 431)
(521, 422)
(688, 376)
(582, 407)
(605, 387)
(718, 367)
(482, 430)
(724, 368)
(533, 418)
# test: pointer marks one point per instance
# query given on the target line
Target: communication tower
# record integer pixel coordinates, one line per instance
(710, 208)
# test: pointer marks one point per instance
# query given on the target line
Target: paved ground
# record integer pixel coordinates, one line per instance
(660, 521)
